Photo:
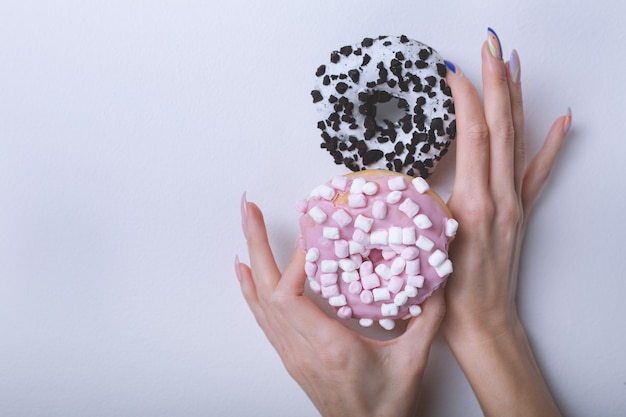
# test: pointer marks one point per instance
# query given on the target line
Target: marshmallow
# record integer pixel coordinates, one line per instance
(341, 217)
(366, 297)
(329, 265)
(408, 236)
(415, 310)
(337, 300)
(410, 253)
(388, 254)
(314, 286)
(416, 281)
(310, 269)
(379, 237)
(366, 268)
(410, 290)
(420, 185)
(355, 287)
(381, 294)
(318, 215)
(394, 197)
(357, 200)
(357, 186)
(444, 269)
(395, 235)
(397, 183)
(395, 284)
(400, 299)
(355, 247)
(363, 223)
(387, 324)
(437, 258)
(409, 207)
(312, 255)
(424, 243)
(412, 267)
(350, 276)
(422, 221)
(379, 210)
(344, 312)
(383, 271)
(347, 265)
(389, 309)
(366, 322)
(331, 233)
(397, 266)
(361, 237)
(370, 188)
(340, 182)
(326, 192)
(370, 281)
(330, 291)
(341, 249)
(328, 279)
(451, 227)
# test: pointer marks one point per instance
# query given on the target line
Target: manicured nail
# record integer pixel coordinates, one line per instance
(567, 123)
(455, 70)
(493, 41)
(244, 215)
(237, 272)
(514, 68)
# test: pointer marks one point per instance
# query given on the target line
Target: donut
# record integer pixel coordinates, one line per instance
(376, 244)
(385, 104)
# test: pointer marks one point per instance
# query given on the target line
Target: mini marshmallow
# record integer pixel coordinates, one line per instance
(409, 207)
(379, 237)
(328, 265)
(383, 271)
(410, 290)
(355, 247)
(328, 279)
(341, 248)
(340, 183)
(416, 281)
(318, 215)
(437, 258)
(357, 201)
(314, 286)
(361, 237)
(422, 221)
(444, 269)
(408, 236)
(412, 267)
(379, 210)
(310, 269)
(394, 197)
(326, 192)
(347, 265)
(341, 217)
(415, 310)
(330, 291)
(350, 276)
(451, 227)
(370, 188)
(397, 183)
(397, 266)
(366, 297)
(420, 185)
(387, 324)
(313, 255)
(424, 243)
(370, 281)
(337, 300)
(363, 223)
(388, 254)
(410, 253)
(366, 268)
(366, 322)
(331, 233)
(357, 259)
(400, 299)
(381, 294)
(357, 186)
(355, 287)
(395, 235)
(344, 312)
(389, 309)
(395, 284)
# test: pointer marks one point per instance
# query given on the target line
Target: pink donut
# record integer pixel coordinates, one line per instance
(376, 245)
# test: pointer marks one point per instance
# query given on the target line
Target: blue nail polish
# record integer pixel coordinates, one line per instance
(455, 70)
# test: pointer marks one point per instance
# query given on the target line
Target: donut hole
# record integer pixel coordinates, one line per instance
(375, 256)
(393, 110)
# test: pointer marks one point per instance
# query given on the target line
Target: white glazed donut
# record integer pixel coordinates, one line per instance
(385, 105)
(376, 244)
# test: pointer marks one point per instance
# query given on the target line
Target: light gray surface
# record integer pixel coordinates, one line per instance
(129, 130)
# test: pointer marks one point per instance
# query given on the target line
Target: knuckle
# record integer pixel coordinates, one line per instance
(478, 132)
(505, 130)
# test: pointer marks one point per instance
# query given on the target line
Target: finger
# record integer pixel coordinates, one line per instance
(472, 157)
(422, 329)
(517, 112)
(541, 165)
(499, 118)
(294, 278)
(264, 269)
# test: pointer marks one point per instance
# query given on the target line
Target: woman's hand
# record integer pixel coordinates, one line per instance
(492, 196)
(343, 373)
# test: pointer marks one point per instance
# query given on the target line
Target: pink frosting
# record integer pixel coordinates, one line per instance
(375, 261)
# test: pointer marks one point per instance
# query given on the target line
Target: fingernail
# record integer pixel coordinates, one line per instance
(515, 68)
(244, 215)
(494, 43)
(455, 70)
(237, 268)
(567, 123)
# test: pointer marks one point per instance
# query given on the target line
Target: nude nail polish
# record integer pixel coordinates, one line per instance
(514, 68)
(244, 215)
(567, 123)
(493, 41)
(237, 273)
